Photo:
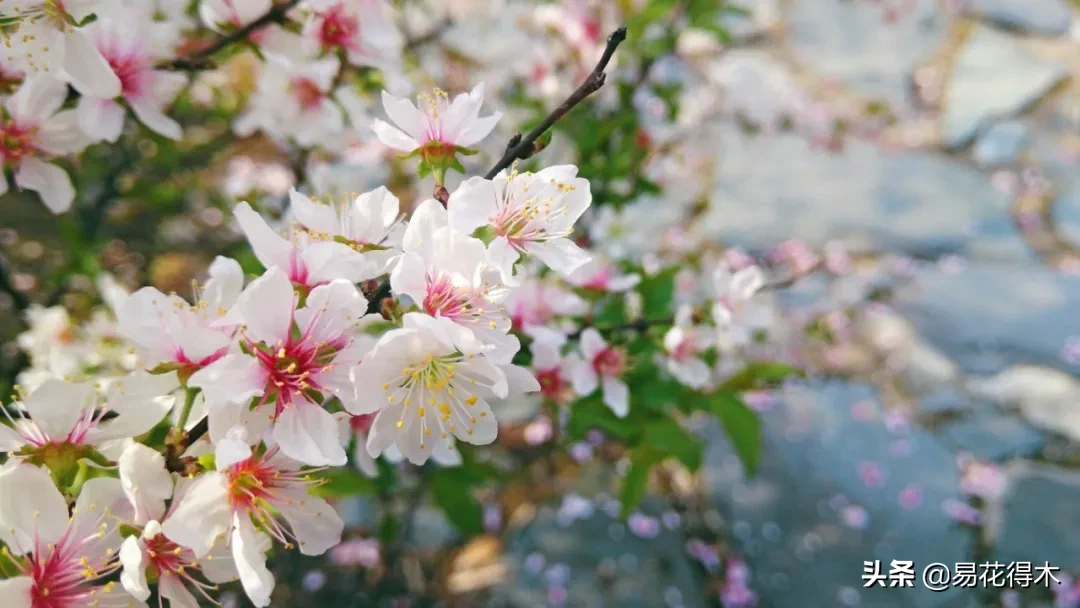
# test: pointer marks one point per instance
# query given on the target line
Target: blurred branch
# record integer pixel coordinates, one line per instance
(201, 59)
(21, 301)
(429, 36)
(525, 147)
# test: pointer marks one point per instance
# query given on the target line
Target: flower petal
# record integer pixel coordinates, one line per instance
(308, 433)
(146, 482)
(270, 247)
(316, 524)
(17, 591)
(249, 547)
(616, 396)
(56, 406)
(231, 379)
(133, 577)
(30, 508)
(49, 181)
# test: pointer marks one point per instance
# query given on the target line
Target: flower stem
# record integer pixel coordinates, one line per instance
(189, 401)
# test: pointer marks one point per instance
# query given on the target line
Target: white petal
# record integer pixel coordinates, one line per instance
(316, 524)
(308, 433)
(746, 282)
(173, 589)
(99, 496)
(232, 448)
(583, 377)
(101, 119)
(17, 591)
(270, 247)
(146, 482)
(88, 70)
(472, 205)
(592, 343)
(202, 514)
(133, 577)
(56, 406)
(519, 380)
(62, 135)
(231, 379)
(150, 114)
(409, 278)
(616, 396)
(39, 97)
(405, 115)
(560, 255)
(227, 421)
(225, 285)
(362, 460)
(428, 217)
(392, 137)
(502, 256)
(30, 507)
(49, 181)
(317, 217)
(478, 129)
(266, 307)
(10, 440)
(140, 400)
(249, 547)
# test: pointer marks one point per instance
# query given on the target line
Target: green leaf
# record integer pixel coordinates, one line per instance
(344, 481)
(658, 292)
(759, 375)
(667, 436)
(591, 413)
(451, 491)
(637, 478)
(742, 426)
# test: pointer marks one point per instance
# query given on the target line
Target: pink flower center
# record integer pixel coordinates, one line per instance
(257, 486)
(169, 558)
(683, 350)
(447, 300)
(16, 142)
(552, 385)
(306, 92)
(362, 423)
(532, 312)
(339, 28)
(599, 279)
(610, 362)
(133, 70)
(292, 370)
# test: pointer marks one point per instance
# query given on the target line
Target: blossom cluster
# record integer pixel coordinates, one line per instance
(166, 446)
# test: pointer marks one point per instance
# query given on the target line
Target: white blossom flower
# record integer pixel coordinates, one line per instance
(147, 485)
(429, 384)
(736, 313)
(444, 272)
(536, 302)
(131, 45)
(68, 415)
(167, 329)
(439, 127)
(34, 130)
(362, 30)
(43, 39)
(307, 262)
(293, 100)
(529, 213)
(602, 275)
(601, 365)
(371, 225)
(553, 372)
(249, 501)
(60, 561)
(294, 358)
(684, 344)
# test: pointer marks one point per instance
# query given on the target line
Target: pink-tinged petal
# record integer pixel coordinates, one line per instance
(309, 434)
(49, 181)
(30, 506)
(472, 205)
(405, 115)
(173, 589)
(266, 307)
(56, 406)
(133, 577)
(140, 400)
(560, 255)
(313, 521)
(231, 379)
(201, 515)
(17, 591)
(270, 247)
(315, 216)
(249, 547)
(150, 114)
(392, 137)
(101, 119)
(592, 343)
(146, 482)
(616, 396)
(88, 70)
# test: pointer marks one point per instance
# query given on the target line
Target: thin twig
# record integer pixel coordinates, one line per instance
(200, 59)
(429, 36)
(592, 83)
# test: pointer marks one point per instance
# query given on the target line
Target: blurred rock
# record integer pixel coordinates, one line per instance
(1001, 144)
(1047, 398)
(992, 437)
(1051, 17)
(993, 78)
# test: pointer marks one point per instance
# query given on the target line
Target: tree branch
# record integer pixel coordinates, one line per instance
(593, 82)
(200, 59)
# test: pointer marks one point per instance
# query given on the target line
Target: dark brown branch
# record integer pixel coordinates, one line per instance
(592, 84)
(200, 59)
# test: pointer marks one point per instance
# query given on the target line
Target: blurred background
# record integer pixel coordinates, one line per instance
(927, 149)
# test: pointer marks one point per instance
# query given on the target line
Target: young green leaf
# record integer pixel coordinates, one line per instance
(742, 426)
